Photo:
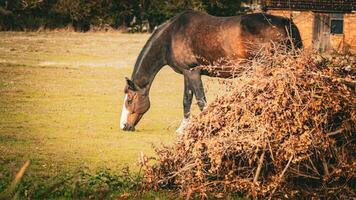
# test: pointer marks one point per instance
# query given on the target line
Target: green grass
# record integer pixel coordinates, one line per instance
(60, 101)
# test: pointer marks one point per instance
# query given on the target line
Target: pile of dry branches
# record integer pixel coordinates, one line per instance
(286, 130)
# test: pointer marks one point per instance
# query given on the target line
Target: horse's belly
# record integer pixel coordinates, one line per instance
(224, 74)
(230, 70)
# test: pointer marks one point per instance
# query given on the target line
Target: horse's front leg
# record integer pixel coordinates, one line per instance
(187, 102)
(194, 77)
(192, 85)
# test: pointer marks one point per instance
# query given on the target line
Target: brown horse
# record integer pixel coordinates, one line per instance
(193, 39)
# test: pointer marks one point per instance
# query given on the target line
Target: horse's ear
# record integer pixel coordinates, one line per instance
(131, 84)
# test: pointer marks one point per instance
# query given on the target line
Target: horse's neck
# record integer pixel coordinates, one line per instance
(151, 59)
(149, 63)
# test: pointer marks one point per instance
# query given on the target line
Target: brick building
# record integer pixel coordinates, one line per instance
(323, 24)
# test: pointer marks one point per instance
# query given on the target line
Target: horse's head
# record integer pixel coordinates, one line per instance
(136, 103)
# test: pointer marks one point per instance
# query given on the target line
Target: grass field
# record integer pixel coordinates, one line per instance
(60, 102)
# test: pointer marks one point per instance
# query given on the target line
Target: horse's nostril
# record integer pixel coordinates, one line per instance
(125, 127)
(128, 128)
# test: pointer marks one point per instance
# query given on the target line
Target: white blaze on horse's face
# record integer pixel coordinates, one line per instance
(136, 104)
(124, 114)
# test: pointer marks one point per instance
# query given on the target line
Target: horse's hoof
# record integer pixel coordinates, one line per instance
(183, 126)
(179, 131)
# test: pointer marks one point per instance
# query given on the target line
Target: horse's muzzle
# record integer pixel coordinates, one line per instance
(128, 128)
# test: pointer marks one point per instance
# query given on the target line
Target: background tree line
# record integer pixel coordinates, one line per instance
(83, 15)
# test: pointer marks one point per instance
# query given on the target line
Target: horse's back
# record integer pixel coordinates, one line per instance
(198, 38)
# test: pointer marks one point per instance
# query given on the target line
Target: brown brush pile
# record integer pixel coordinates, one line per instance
(286, 130)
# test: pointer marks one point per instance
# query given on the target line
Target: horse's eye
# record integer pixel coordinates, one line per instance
(129, 101)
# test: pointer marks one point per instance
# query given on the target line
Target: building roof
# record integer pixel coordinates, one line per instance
(314, 5)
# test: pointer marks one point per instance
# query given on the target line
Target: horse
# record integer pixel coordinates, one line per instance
(192, 39)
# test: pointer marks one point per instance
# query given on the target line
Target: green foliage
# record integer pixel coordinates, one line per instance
(157, 11)
(83, 184)
(86, 14)
(222, 7)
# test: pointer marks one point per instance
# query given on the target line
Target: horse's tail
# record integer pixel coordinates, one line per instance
(294, 34)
